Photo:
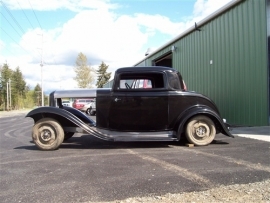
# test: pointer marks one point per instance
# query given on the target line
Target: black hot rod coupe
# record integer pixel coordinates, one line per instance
(144, 104)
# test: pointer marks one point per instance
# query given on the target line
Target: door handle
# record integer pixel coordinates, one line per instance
(116, 99)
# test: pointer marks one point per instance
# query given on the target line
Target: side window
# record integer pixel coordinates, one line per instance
(126, 83)
(141, 81)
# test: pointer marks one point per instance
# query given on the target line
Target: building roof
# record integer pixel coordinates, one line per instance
(231, 4)
(145, 68)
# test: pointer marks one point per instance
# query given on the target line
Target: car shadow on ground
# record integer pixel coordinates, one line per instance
(91, 142)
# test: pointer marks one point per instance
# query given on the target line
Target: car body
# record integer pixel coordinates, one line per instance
(158, 110)
(90, 108)
(80, 103)
(67, 103)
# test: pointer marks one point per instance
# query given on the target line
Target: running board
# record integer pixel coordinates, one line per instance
(118, 136)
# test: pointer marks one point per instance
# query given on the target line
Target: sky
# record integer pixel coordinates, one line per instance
(117, 32)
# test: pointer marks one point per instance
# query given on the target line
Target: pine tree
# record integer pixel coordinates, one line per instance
(103, 76)
(18, 88)
(37, 95)
(6, 75)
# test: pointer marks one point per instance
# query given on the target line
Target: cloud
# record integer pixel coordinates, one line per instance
(50, 5)
(96, 31)
(159, 23)
(203, 8)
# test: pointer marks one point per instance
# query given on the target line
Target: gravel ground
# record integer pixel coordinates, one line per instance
(14, 112)
(253, 192)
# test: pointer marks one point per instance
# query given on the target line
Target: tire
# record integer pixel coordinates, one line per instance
(47, 134)
(68, 135)
(92, 113)
(200, 130)
(88, 111)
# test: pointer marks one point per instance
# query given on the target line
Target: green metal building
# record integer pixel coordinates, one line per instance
(226, 57)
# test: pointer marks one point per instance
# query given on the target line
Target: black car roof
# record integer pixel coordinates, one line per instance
(146, 68)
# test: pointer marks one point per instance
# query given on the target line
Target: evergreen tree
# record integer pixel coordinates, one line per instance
(6, 75)
(21, 95)
(103, 76)
(29, 101)
(84, 76)
(37, 95)
(18, 89)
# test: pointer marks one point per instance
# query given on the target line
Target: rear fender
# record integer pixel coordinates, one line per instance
(201, 110)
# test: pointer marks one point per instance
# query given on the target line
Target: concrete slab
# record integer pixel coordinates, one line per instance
(258, 133)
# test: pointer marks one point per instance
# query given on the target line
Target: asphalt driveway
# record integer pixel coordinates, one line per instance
(88, 169)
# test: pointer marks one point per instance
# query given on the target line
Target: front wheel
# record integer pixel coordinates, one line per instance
(47, 134)
(200, 130)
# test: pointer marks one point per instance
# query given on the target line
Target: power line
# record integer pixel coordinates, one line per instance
(18, 24)
(26, 16)
(12, 17)
(16, 42)
(6, 49)
(35, 15)
(38, 23)
(10, 24)
(21, 29)
(14, 30)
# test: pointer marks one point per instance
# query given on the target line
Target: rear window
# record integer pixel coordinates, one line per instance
(141, 81)
(175, 81)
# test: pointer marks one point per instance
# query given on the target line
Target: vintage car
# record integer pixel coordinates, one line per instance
(158, 110)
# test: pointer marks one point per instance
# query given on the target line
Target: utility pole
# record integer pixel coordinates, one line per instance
(41, 71)
(7, 98)
(42, 96)
(9, 92)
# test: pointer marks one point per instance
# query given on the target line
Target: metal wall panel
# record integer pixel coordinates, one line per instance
(227, 61)
(235, 43)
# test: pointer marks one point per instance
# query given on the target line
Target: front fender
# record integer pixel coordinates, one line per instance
(202, 110)
(67, 116)
(68, 113)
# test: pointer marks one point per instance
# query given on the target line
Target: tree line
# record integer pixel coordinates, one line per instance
(16, 94)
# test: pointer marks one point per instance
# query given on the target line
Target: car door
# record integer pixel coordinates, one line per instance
(138, 109)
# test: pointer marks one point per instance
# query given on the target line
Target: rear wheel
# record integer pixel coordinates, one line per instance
(47, 134)
(200, 130)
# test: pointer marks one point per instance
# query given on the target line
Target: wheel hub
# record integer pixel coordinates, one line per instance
(201, 130)
(46, 135)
